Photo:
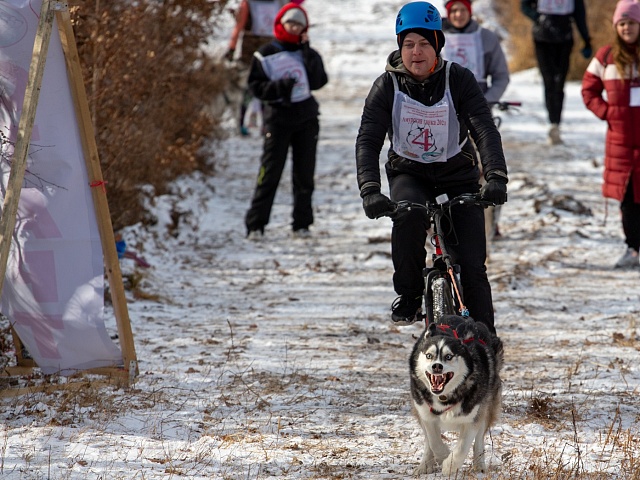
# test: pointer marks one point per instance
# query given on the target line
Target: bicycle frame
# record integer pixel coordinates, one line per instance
(443, 293)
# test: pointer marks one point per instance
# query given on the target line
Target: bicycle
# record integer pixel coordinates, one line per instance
(443, 293)
(503, 107)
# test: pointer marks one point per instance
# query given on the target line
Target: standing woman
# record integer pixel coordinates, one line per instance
(553, 39)
(614, 69)
(428, 106)
(284, 73)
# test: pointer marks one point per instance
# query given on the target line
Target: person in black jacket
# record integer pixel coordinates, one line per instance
(283, 74)
(553, 39)
(420, 101)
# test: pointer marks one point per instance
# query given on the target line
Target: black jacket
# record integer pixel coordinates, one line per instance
(277, 94)
(556, 28)
(474, 117)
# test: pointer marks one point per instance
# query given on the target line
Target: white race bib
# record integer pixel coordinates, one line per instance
(420, 133)
(263, 16)
(425, 134)
(634, 99)
(288, 65)
(466, 49)
(556, 7)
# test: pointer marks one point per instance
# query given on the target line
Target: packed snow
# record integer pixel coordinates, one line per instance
(277, 359)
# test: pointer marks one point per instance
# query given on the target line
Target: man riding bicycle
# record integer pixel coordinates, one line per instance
(428, 107)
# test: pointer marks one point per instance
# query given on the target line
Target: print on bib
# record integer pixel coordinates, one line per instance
(424, 133)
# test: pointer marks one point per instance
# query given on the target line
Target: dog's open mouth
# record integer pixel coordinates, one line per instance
(438, 382)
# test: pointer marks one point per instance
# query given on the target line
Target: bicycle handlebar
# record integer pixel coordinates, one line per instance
(464, 199)
(503, 106)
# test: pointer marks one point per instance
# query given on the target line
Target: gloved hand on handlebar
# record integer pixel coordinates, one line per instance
(375, 204)
(495, 190)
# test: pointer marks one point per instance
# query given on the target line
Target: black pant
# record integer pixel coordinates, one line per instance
(465, 240)
(303, 140)
(631, 218)
(553, 62)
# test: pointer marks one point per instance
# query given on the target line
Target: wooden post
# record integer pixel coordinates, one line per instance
(18, 169)
(25, 127)
(98, 191)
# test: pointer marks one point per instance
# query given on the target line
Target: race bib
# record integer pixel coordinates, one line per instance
(288, 65)
(421, 133)
(263, 16)
(466, 49)
(556, 7)
(634, 94)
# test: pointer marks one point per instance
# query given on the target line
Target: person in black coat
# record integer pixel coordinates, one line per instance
(553, 39)
(283, 74)
(428, 107)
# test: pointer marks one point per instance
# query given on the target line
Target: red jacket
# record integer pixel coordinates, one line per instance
(622, 150)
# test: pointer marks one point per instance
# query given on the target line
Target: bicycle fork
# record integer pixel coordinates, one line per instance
(443, 291)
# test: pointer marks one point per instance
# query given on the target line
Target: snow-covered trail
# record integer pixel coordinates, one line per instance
(276, 359)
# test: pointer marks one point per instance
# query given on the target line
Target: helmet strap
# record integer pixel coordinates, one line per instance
(435, 64)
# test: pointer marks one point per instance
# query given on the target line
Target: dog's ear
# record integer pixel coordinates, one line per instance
(431, 329)
(466, 330)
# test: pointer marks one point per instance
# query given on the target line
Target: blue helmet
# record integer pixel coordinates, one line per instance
(418, 15)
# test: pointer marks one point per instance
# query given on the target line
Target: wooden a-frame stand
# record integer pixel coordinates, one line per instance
(60, 11)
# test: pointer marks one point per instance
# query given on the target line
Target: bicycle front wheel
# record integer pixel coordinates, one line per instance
(441, 299)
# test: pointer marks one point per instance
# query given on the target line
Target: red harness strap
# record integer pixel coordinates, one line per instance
(435, 412)
(447, 328)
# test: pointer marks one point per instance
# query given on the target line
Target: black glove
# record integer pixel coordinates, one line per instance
(284, 86)
(495, 190)
(587, 51)
(229, 54)
(375, 204)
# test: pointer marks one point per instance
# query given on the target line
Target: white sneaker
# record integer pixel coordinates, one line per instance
(628, 260)
(302, 233)
(255, 235)
(554, 134)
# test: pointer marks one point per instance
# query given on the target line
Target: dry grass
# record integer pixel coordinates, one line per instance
(520, 46)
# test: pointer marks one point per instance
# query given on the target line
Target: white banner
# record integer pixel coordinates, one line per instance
(53, 291)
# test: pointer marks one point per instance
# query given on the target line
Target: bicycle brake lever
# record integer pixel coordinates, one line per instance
(399, 208)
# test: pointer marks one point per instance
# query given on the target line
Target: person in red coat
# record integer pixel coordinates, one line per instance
(614, 69)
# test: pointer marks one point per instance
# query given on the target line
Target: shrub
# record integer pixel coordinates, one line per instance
(149, 85)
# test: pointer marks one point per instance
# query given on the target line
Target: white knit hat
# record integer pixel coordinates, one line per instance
(294, 15)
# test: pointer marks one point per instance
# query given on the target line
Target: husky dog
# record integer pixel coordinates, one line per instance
(455, 385)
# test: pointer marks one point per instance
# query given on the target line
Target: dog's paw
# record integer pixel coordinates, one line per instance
(479, 466)
(442, 454)
(450, 466)
(425, 467)
(420, 470)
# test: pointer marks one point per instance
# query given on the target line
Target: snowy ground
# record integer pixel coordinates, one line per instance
(277, 359)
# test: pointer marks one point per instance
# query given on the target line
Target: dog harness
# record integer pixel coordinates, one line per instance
(446, 329)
